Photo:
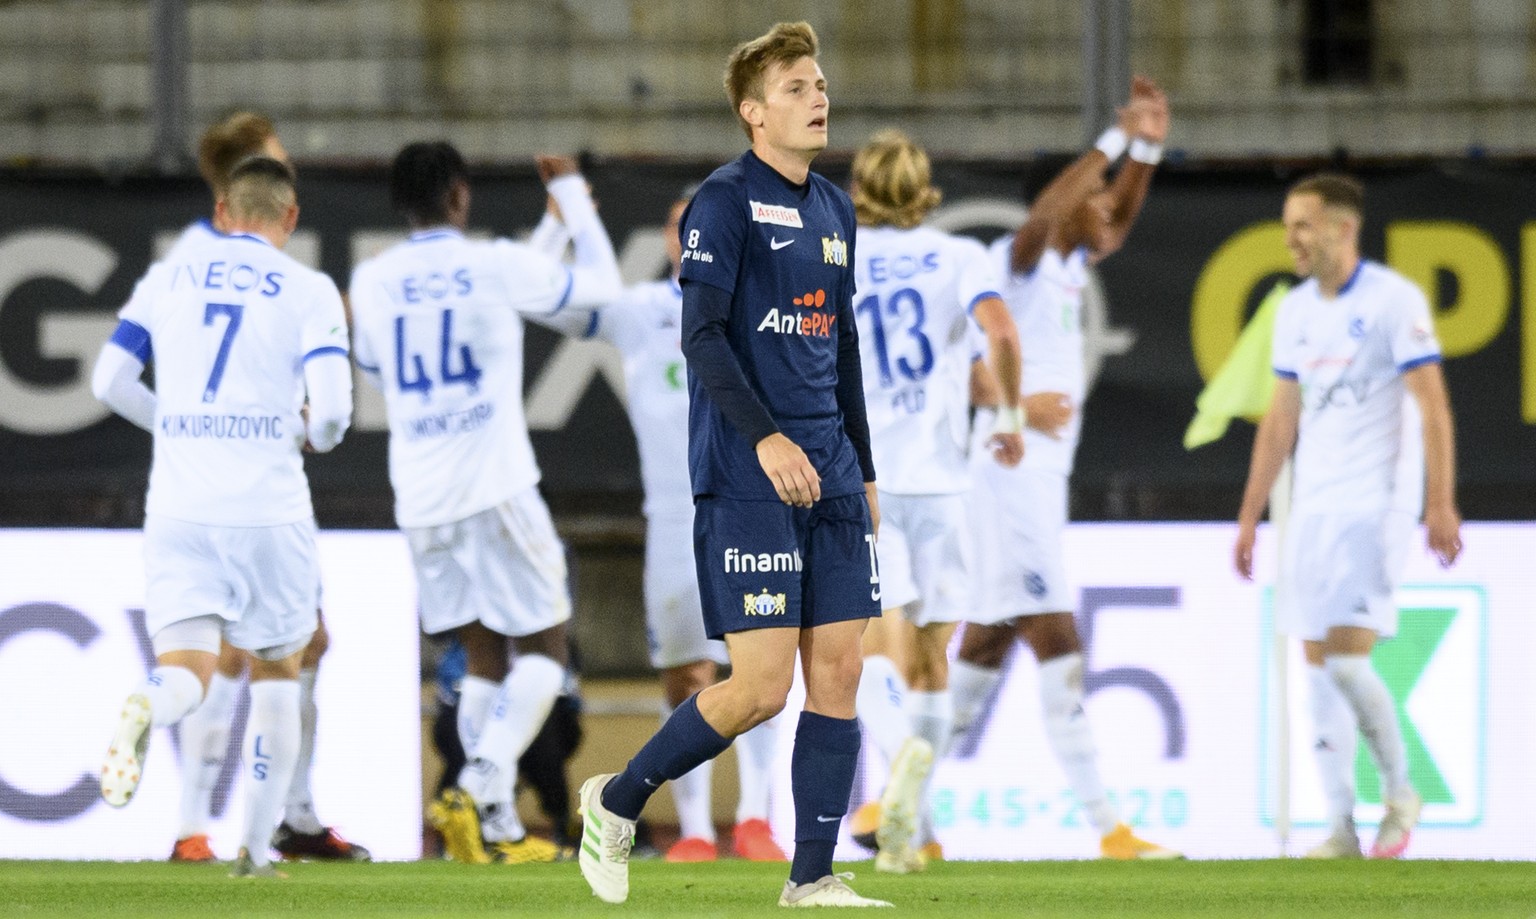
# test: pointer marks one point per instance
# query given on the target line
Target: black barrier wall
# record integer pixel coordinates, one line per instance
(1166, 310)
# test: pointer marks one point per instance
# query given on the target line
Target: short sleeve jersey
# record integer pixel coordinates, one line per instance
(231, 322)
(1047, 307)
(438, 318)
(785, 254)
(1348, 355)
(915, 291)
(645, 326)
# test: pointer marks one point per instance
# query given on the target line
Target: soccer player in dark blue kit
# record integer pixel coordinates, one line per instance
(783, 482)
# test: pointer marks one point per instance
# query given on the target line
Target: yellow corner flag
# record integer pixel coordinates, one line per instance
(1243, 385)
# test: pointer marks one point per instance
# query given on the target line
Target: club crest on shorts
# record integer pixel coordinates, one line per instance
(1034, 583)
(764, 604)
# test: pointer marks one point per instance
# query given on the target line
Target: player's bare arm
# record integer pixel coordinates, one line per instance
(1442, 521)
(1272, 445)
(1056, 203)
(1146, 120)
(1007, 441)
(1053, 205)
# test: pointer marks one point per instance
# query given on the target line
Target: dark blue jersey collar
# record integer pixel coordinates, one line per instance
(800, 190)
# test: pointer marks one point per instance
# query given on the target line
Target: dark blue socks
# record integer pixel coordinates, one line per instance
(821, 775)
(685, 741)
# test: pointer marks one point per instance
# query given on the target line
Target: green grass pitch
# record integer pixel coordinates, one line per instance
(956, 890)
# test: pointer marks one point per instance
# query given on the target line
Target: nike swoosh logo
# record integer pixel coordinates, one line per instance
(650, 783)
(821, 819)
(776, 245)
(874, 594)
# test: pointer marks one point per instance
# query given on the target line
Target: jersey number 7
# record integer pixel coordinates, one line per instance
(213, 310)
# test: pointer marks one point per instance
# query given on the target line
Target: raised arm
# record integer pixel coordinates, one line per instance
(595, 278)
(1059, 198)
(1272, 446)
(1147, 124)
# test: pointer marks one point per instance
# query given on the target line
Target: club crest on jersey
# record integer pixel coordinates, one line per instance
(764, 604)
(834, 251)
(776, 214)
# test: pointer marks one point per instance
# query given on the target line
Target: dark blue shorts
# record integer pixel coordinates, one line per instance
(765, 565)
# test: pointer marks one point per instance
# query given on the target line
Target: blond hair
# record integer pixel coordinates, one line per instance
(223, 145)
(783, 44)
(261, 189)
(892, 182)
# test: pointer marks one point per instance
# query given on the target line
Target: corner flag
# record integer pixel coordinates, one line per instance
(1245, 382)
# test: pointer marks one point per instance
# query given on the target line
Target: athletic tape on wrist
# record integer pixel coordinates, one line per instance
(1144, 151)
(1112, 143)
(1010, 420)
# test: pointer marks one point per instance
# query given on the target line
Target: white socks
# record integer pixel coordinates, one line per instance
(475, 697)
(754, 764)
(1066, 724)
(1368, 696)
(692, 793)
(933, 718)
(1333, 721)
(880, 705)
(299, 812)
(173, 692)
(969, 686)
(271, 751)
(204, 744)
(516, 714)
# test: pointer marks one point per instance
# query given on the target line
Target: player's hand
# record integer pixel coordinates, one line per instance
(1007, 449)
(790, 470)
(1150, 105)
(1442, 526)
(553, 167)
(1048, 412)
(1242, 550)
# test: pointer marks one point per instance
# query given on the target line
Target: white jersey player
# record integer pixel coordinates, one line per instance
(439, 324)
(242, 336)
(205, 734)
(1020, 514)
(917, 290)
(1351, 343)
(644, 324)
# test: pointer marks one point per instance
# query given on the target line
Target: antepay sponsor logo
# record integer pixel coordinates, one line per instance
(1436, 671)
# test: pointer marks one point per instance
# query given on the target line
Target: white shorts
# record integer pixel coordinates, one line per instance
(1342, 569)
(674, 614)
(1018, 516)
(262, 581)
(925, 557)
(503, 567)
